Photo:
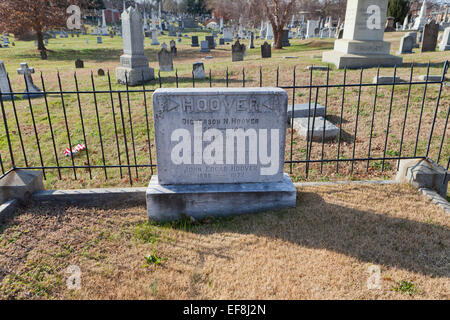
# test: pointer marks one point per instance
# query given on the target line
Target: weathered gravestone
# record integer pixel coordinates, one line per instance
(173, 48)
(79, 64)
(204, 46)
(155, 41)
(101, 72)
(266, 50)
(406, 44)
(32, 91)
(133, 63)
(285, 39)
(430, 36)
(444, 45)
(362, 44)
(389, 24)
(252, 40)
(221, 41)
(227, 35)
(198, 70)
(165, 59)
(237, 51)
(99, 40)
(211, 42)
(219, 152)
(4, 82)
(194, 41)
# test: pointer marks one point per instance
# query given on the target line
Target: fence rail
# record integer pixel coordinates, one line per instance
(379, 124)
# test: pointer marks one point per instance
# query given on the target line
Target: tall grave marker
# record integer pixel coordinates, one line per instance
(133, 63)
(362, 44)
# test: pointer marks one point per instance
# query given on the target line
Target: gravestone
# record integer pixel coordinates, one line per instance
(4, 83)
(266, 50)
(204, 46)
(79, 64)
(362, 44)
(172, 31)
(444, 45)
(413, 34)
(221, 41)
(211, 43)
(406, 44)
(155, 41)
(389, 24)
(101, 72)
(302, 110)
(165, 59)
(194, 41)
(213, 148)
(99, 40)
(237, 51)
(285, 39)
(430, 36)
(252, 40)
(43, 55)
(198, 70)
(32, 91)
(173, 48)
(133, 63)
(316, 128)
(227, 35)
(421, 19)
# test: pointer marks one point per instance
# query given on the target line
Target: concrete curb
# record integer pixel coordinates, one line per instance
(436, 198)
(330, 183)
(7, 210)
(92, 196)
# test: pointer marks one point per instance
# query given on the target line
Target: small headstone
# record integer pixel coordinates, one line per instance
(221, 41)
(99, 40)
(198, 70)
(211, 43)
(165, 59)
(252, 40)
(204, 46)
(430, 77)
(100, 72)
(237, 51)
(386, 80)
(155, 41)
(406, 45)
(173, 48)
(79, 64)
(44, 55)
(194, 42)
(32, 88)
(285, 39)
(430, 35)
(266, 50)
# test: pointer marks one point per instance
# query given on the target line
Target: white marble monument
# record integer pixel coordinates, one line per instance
(362, 44)
(133, 63)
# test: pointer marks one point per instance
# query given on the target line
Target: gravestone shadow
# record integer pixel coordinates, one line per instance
(370, 237)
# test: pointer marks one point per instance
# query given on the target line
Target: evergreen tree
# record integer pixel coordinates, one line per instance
(398, 9)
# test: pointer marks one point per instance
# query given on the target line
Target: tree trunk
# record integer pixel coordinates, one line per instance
(40, 40)
(279, 38)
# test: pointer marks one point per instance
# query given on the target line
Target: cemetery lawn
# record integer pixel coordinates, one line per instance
(323, 249)
(306, 52)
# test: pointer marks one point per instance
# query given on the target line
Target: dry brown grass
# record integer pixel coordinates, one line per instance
(320, 250)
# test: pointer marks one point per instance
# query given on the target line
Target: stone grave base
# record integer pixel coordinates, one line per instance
(134, 75)
(345, 60)
(170, 202)
(301, 125)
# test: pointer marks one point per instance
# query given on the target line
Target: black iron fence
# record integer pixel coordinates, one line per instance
(379, 124)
